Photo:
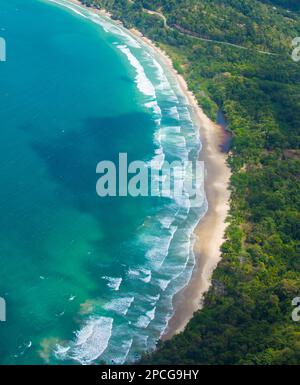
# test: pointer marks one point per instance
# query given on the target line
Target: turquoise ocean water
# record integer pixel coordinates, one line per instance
(86, 279)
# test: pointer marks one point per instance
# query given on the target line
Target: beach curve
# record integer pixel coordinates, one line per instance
(210, 231)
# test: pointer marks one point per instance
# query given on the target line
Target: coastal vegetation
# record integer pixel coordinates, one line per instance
(236, 57)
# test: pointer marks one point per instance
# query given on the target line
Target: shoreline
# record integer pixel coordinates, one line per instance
(210, 230)
(211, 227)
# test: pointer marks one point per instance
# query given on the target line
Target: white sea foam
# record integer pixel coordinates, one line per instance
(119, 359)
(151, 313)
(185, 114)
(153, 299)
(144, 320)
(107, 25)
(23, 348)
(158, 159)
(140, 273)
(61, 351)
(116, 30)
(173, 136)
(158, 247)
(70, 6)
(91, 341)
(143, 83)
(173, 112)
(153, 105)
(166, 221)
(164, 85)
(163, 283)
(119, 305)
(113, 283)
(140, 345)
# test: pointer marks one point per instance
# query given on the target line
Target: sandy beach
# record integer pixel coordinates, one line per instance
(211, 229)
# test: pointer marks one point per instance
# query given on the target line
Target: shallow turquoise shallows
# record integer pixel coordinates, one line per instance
(86, 279)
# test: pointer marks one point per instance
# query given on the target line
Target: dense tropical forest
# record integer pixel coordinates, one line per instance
(253, 80)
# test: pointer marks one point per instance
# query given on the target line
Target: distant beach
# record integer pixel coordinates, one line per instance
(211, 228)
